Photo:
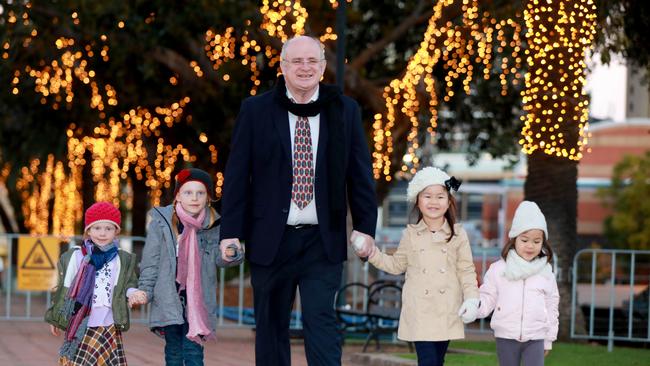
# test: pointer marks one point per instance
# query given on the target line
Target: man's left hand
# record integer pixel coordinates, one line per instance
(368, 248)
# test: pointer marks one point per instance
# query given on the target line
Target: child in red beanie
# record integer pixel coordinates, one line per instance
(90, 303)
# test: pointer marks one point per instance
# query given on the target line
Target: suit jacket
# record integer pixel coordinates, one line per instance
(258, 180)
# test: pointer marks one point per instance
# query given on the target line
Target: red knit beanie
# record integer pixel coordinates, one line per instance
(102, 212)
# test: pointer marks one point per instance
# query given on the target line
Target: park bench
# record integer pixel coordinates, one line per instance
(372, 309)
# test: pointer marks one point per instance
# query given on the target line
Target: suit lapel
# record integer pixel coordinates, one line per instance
(281, 122)
(322, 141)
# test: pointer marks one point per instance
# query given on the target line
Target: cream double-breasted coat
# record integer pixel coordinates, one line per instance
(439, 276)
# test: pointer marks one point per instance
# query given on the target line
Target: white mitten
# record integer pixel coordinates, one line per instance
(469, 310)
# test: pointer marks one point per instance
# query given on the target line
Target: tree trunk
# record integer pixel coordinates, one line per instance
(139, 212)
(7, 218)
(140, 207)
(552, 184)
(556, 111)
(88, 185)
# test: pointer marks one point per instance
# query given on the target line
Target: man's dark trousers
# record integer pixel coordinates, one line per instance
(301, 262)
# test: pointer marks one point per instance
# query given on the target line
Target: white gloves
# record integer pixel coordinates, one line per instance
(469, 310)
(364, 245)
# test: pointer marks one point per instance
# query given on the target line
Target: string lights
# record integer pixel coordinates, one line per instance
(473, 46)
(115, 149)
(51, 190)
(277, 18)
(464, 50)
(559, 33)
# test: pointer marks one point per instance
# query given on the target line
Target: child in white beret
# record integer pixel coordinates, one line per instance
(521, 290)
(440, 290)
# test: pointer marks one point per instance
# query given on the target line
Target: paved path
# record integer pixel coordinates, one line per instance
(29, 343)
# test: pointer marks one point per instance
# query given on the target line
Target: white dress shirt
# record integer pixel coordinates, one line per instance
(308, 214)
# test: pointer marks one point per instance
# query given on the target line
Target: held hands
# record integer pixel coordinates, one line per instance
(138, 297)
(229, 249)
(469, 310)
(363, 244)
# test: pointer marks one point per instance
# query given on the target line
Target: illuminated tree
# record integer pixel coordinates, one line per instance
(88, 69)
(105, 100)
(559, 35)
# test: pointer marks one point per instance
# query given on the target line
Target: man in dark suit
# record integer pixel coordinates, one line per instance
(298, 158)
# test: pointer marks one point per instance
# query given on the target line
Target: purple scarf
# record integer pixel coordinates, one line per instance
(188, 275)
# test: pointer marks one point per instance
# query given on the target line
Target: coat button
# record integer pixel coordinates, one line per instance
(421, 250)
(442, 290)
(424, 270)
(419, 233)
(444, 250)
(426, 292)
(442, 270)
(285, 210)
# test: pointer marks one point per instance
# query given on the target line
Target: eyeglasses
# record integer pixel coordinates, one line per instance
(300, 61)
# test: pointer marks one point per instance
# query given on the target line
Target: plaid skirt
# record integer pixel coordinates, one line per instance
(100, 346)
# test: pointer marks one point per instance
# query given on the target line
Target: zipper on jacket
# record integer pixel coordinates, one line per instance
(523, 299)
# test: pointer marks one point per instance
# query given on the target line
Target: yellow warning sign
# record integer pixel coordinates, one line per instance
(37, 257)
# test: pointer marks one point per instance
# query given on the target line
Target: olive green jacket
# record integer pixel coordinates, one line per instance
(125, 280)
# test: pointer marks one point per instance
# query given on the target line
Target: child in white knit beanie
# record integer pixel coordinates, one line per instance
(521, 290)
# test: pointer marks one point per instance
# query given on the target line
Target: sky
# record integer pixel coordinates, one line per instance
(606, 85)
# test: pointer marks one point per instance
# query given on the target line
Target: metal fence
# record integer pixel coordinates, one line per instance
(610, 289)
(31, 305)
(363, 272)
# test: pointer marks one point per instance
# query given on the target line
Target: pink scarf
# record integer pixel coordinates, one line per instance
(188, 275)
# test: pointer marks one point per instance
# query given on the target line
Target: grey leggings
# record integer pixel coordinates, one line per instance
(513, 353)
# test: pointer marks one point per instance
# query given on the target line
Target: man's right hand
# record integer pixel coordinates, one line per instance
(223, 248)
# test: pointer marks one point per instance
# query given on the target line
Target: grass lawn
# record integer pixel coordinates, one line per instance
(563, 354)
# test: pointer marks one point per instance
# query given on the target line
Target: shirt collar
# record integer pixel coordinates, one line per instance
(312, 99)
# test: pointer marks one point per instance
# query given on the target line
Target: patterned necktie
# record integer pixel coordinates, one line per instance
(302, 190)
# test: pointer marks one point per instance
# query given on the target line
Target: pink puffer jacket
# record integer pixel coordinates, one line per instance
(524, 309)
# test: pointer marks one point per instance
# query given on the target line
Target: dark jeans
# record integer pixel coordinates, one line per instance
(431, 353)
(301, 263)
(180, 351)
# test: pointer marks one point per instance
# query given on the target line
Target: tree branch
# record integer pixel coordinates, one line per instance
(180, 65)
(416, 17)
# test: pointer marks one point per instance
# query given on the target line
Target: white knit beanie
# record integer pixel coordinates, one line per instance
(527, 217)
(424, 178)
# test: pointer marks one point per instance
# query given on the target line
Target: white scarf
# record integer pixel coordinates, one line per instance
(518, 268)
(105, 282)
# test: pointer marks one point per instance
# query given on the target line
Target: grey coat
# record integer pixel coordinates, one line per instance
(158, 267)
